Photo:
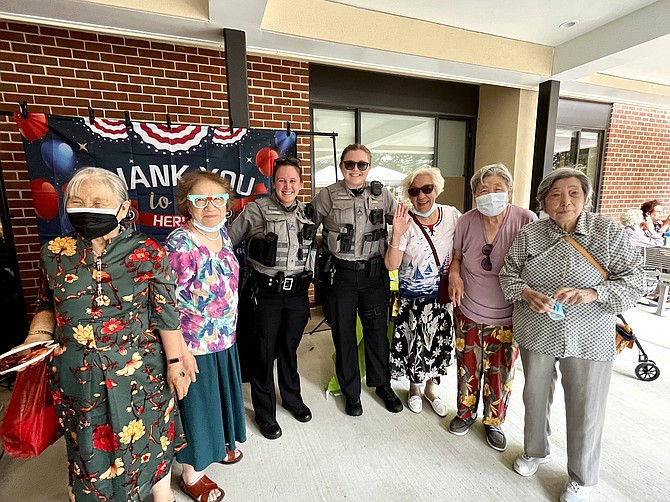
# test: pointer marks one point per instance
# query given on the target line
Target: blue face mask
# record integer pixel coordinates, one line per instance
(492, 204)
(427, 213)
(204, 228)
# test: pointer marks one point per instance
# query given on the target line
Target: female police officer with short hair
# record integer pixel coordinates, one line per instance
(354, 215)
(279, 244)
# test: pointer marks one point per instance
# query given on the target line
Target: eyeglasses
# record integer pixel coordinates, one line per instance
(280, 161)
(486, 262)
(201, 201)
(350, 164)
(414, 191)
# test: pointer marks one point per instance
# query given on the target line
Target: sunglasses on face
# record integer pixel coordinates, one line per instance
(350, 164)
(486, 262)
(201, 201)
(414, 191)
(281, 161)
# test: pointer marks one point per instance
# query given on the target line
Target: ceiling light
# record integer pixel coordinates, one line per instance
(567, 24)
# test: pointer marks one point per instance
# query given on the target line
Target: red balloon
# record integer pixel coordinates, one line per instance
(260, 189)
(32, 128)
(265, 159)
(45, 198)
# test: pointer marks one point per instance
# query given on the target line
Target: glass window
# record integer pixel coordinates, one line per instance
(325, 162)
(452, 161)
(399, 143)
(581, 148)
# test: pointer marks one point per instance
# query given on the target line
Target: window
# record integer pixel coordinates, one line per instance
(399, 143)
(580, 148)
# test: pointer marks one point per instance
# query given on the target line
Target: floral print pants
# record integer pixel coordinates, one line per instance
(488, 351)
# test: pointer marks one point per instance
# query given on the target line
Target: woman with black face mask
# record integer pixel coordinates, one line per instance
(107, 299)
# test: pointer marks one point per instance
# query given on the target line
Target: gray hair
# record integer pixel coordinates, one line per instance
(630, 217)
(107, 178)
(433, 172)
(492, 170)
(560, 174)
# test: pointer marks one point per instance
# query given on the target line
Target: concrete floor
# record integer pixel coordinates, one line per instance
(406, 457)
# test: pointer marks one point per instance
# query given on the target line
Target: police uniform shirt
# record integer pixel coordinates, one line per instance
(336, 206)
(266, 215)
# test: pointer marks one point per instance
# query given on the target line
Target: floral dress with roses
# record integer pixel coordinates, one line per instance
(108, 374)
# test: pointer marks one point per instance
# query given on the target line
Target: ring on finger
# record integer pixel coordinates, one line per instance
(181, 374)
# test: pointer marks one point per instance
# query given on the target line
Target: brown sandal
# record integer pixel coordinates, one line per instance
(232, 457)
(200, 490)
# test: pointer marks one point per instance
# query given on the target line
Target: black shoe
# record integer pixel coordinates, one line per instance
(302, 414)
(270, 430)
(392, 402)
(354, 407)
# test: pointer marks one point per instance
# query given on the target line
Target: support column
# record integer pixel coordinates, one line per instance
(545, 134)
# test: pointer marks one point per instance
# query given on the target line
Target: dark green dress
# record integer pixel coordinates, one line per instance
(119, 418)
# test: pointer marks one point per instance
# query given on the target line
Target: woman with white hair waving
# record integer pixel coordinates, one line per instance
(421, 248)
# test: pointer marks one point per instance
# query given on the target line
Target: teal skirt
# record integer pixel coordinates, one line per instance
(213, 410)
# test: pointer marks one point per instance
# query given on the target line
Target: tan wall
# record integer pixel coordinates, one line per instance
(506, 133)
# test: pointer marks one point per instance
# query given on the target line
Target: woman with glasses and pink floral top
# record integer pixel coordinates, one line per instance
(207, 271)
(485, 347)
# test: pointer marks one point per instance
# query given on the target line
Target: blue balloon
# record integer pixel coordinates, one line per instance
(284, 141)
(59, 157)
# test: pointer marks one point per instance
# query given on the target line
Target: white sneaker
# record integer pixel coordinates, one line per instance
(576, 493)
(415, 404)
(527, 466)
(438, 406)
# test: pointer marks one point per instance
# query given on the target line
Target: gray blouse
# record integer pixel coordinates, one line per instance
(541, 258)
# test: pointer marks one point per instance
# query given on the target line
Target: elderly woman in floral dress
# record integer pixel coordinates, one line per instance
(207, 271)
(107, 299)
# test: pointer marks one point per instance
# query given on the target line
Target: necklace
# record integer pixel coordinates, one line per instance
(213, 239)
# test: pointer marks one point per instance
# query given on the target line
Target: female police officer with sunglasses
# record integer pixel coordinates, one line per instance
(354, 215)
(279, 245)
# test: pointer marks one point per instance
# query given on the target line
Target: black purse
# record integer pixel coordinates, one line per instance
(443, 286)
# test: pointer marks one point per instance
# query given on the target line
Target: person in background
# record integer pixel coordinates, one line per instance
(207, 272)
(421, 247)
(279, 237)
(107, 298)
(654, 223)
(631, 221)
(581, 268)
(354, 216)
(485, 346)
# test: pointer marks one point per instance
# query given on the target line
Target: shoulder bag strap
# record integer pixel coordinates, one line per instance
(587, 255)
(430, 241)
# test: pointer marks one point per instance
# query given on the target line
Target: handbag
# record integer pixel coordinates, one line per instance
(30, 425)
(443, 285)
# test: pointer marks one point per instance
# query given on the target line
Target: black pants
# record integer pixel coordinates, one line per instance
(279, 320)
(354, 292)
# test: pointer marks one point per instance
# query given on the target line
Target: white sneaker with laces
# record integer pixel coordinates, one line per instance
(575, 492)
(527, 466)
(415, 404)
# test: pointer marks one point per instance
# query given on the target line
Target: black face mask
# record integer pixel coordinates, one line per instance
(91, 223)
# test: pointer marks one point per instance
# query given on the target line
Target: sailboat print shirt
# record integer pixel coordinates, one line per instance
(418, 273)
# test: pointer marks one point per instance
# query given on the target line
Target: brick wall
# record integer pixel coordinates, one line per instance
(637, 159)
(60, 71)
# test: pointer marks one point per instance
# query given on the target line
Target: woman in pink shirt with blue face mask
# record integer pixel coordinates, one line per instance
(485, 348)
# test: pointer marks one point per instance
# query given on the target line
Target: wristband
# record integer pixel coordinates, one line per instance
(394, 247)
(40, 332)
(175, 360)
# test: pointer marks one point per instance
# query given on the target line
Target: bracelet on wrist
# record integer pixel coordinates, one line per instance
(175, 360)
(394, 247)
(40, 332)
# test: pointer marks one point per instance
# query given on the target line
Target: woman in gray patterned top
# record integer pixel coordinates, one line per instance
(544, 273)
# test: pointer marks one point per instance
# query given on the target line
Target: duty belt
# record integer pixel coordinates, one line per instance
(283, 284)
(359, 264)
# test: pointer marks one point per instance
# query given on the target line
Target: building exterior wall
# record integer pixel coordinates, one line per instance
(60, 71)
(636, 167)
